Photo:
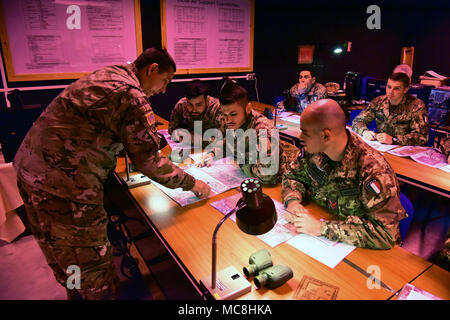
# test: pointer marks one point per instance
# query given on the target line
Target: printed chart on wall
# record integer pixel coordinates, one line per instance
(48, 39)
(209, 36)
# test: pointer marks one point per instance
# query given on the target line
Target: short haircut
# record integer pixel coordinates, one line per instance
(231, 92)
(155, 55)
(402, 77)
(311, 70)
(196, 88)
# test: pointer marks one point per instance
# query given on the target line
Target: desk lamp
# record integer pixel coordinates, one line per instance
(255, 215)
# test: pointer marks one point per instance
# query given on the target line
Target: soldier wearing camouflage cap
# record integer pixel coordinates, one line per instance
(197, 105)
(340, 172)
(400, 117)
(71, 150)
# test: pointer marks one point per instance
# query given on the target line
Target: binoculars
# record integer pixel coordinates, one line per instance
(267, 275)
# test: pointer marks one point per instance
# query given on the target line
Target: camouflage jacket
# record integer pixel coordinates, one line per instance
(408, 121)
(250, 163)
(446, 146)
(73, 146)
(361, 191)
(182, 118)
(317, 92)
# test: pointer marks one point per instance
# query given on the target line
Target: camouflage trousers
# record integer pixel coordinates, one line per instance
(73, 234)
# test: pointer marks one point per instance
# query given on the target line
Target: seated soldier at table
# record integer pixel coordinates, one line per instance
(305, 92)
(337, 170)
(197, 105)
(400, 117)
(238, 114)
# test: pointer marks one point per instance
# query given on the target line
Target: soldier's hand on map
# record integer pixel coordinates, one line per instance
(206, 160)
(201, 189)
(368, 135)
(295, 208)
(384, 138)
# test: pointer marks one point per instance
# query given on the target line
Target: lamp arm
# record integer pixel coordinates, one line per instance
(214, 243)
(127, 167)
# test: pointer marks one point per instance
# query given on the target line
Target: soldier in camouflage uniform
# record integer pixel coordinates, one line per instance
(238, 114)
(197, 105)
(401, 118)
(307, 90)
(340, 172)
(71, 150)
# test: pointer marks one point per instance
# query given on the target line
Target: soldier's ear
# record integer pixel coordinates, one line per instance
(248, 108)
(326, 134)
(152, 68)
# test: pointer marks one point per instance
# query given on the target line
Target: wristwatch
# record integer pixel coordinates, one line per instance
(394, 140)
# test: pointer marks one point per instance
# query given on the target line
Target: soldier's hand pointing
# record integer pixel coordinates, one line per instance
(201, 189)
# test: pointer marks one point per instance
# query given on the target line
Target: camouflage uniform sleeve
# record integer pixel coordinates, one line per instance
(295, 181)
(321, 93)
(175, 116)
(266, 171)
(419, 127)
(365, 117)
(140, 139)
(378, 229)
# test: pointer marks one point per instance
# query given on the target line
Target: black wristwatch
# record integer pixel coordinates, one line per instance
(394, 140)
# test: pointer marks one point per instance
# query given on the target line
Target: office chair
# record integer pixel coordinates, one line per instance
(405, 223)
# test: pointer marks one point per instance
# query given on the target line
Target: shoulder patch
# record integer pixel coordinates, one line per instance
(374, 186)
(150, 117)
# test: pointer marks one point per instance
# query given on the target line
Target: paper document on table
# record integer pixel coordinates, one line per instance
(184, 198)
(326, 251)
(407, 151)
(446, 168)
(410, 292)
(431, 158)
(380, 146)
(293, 118)
(283, 114)
(281, 232)
(220, 177)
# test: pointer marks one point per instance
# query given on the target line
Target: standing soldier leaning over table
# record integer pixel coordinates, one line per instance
(401, 118)
(70, 151)
(342, 173)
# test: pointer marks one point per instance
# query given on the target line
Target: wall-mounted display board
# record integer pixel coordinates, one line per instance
(209, 36)
(66, 39)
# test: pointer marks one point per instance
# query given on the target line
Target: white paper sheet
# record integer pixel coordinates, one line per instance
(328, 252)
(221, 176)
(407, 151)
(380, 146)
(293, 118)
(445, 168)
(431, 158)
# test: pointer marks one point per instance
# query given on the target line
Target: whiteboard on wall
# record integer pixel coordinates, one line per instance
(209, 36)
(66, 39)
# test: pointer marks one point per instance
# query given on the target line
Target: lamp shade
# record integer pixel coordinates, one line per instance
(259, 215)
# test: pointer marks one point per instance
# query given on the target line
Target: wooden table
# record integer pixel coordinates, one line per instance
(187, 233)
(436, 281)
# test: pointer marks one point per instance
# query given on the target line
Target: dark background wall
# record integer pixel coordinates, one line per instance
(281, 25)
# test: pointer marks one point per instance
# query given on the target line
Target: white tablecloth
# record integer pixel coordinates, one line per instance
(10, 224)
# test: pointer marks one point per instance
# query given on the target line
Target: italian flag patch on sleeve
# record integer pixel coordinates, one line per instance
(374, 186)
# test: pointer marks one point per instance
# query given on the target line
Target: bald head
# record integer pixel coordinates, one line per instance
(324, 114)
